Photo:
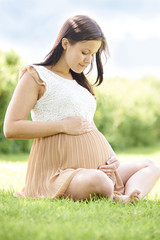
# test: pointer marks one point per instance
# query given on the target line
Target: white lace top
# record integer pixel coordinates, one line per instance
(63, 98)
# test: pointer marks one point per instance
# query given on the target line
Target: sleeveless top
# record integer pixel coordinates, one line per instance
(62, 98)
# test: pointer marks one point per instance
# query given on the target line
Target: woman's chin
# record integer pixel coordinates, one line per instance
(77, 71)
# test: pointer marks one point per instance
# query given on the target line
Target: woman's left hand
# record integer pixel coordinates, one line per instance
(111, 165)
(113, 161)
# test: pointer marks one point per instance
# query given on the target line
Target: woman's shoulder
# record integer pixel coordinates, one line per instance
(31, 70)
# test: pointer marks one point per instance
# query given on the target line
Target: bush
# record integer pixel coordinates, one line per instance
(128, 111)
(10, 63)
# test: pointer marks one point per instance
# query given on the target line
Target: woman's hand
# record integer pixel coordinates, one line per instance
(113, 161)
(76, 126)
(111, 165)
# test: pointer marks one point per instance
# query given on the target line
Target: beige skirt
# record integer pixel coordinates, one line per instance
(55, 160)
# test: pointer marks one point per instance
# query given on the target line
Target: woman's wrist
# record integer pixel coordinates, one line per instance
(61, 126)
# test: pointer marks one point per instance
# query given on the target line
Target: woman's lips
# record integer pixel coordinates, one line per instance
(82, 65)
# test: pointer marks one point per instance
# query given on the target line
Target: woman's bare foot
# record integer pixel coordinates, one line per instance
(134, 196)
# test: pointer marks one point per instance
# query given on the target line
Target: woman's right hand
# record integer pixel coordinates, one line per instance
(76, 126)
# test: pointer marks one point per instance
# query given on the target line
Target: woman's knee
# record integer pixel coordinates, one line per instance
(89, 182)
(153, 165)
(149, 162)
(101, 183)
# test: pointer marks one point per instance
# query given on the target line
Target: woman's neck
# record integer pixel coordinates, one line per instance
(61, 68)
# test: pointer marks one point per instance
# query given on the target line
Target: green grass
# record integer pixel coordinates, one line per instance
(28, 219)
(63, 219)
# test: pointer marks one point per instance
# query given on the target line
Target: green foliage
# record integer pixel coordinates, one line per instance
(11, 58)
(10, 64)
(128, 112)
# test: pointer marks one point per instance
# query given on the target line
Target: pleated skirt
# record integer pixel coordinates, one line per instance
(55, 160)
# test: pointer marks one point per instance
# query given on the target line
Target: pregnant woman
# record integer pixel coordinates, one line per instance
(69, 156)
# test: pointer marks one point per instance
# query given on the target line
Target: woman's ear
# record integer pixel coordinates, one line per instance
(65, 43)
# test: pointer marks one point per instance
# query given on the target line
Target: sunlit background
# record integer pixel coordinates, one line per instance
(30, 27)
(128, 112)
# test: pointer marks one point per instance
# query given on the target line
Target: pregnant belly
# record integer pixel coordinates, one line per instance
(88, 150)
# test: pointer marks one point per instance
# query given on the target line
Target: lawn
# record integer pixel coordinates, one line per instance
(28, 219)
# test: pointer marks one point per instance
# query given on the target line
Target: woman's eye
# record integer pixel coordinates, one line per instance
(84, 53)
(87, 54)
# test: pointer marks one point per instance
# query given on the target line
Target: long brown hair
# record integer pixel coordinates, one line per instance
(75, 29)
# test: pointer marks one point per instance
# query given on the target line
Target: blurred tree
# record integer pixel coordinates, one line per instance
(128, 112)
(10, 64)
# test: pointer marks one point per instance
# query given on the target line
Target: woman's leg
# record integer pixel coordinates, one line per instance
(88, 182)
(139, 174)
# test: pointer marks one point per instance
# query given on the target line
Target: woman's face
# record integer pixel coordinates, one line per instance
(79, 56)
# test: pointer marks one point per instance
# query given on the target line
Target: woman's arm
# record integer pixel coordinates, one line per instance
(23, 100)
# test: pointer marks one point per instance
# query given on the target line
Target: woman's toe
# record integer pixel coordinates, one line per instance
(135, 195)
